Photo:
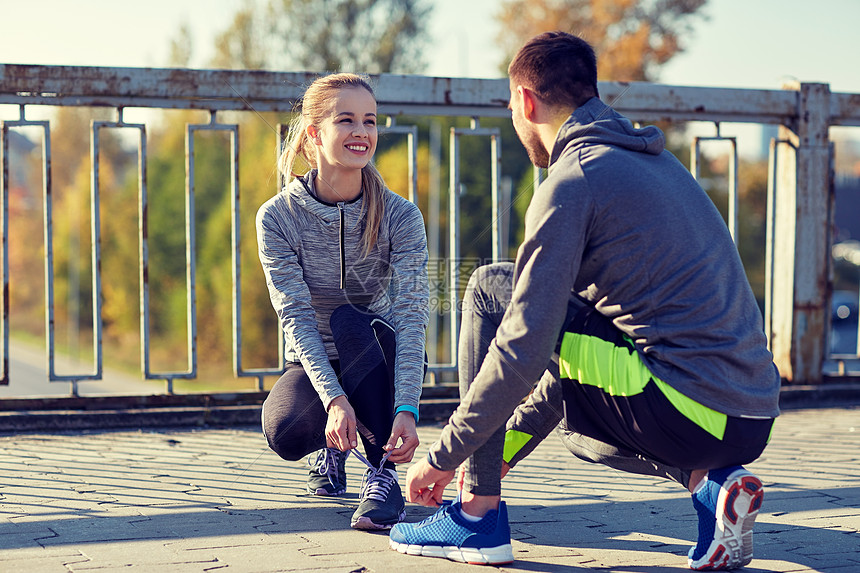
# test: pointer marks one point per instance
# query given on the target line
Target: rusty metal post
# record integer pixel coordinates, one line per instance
(47, 202)
(499, 206)
(801, 250)
(411, 133)
(434, 198)
(4, 255)
(731, 176)
(453, 246)
(770, 223)
(454, 190)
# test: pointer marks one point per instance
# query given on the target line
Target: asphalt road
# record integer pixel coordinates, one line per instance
(28, 376)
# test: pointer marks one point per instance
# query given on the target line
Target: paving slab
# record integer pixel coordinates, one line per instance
(217, 499)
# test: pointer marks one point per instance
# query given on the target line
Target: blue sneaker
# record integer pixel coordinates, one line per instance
(727, 506)
(446, 534)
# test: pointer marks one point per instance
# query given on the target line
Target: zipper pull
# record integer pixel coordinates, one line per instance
(342, 247)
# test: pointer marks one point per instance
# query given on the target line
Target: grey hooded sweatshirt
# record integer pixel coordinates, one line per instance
(313, 258)
(620, 224)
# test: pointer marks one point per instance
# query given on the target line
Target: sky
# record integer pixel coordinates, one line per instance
(741, 43)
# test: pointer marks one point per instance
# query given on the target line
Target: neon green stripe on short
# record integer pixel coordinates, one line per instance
(706, 418)
(618, 372)
(597, 362)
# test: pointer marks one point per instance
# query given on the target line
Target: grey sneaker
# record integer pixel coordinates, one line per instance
(381, 503)
(327, 475)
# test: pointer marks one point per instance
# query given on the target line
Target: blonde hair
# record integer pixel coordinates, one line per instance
(313, 106)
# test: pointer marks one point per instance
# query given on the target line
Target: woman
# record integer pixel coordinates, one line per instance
(346, 265)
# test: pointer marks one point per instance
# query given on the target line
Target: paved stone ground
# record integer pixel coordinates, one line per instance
(178, 500)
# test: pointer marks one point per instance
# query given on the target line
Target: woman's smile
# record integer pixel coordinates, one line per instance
(347, 136)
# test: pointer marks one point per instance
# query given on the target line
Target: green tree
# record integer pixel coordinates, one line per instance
(752, 209)
(475, 179)
(72, 236)
(212, 219)
(371, 36)
(314, 35)
(181, 48)
(366, 36)
(25, 230)
(242, 44)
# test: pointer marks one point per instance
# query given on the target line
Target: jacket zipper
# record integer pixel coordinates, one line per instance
(342, 249)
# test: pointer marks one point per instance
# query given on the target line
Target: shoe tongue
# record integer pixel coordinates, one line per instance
(384, 475)
(379, 483)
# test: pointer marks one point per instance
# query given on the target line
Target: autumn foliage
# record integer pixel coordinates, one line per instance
(632, 38)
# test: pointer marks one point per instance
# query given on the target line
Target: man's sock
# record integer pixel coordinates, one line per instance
(700, 485)
(469, 516)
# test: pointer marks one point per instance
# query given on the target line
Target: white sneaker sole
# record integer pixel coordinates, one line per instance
(325, 493)
(366, 524)
(476, 556)
(737, 507)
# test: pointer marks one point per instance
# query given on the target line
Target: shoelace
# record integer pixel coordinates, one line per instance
(326, 464)
(377, 481)
(441, 512)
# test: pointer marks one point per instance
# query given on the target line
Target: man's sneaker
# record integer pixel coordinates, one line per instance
(381, 503)
(327, 475)
(447, 534)
(727, 506)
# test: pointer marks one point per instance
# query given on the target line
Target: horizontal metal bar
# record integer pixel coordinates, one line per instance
(652, 102)
(440, 368)
(88, 84)
(842, 365)
(731, 138)
(480, 131)
(845, 109)
(115, 402)
(397, 94)
(222, 89)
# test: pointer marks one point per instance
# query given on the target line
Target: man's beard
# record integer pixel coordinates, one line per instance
(535, 149)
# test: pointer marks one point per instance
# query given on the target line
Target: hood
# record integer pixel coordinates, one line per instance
(297, 190)
(595, 123)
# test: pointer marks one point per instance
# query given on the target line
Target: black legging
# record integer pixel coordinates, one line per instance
(293, 416)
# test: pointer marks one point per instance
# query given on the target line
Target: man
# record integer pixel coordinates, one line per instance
(629, 303)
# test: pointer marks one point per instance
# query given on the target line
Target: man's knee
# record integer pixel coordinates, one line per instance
(491, 282)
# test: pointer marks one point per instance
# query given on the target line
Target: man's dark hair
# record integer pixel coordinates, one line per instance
(559, 67)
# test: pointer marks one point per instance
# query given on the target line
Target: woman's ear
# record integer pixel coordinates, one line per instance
(313, 134)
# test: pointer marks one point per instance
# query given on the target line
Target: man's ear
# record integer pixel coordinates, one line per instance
(530, 102)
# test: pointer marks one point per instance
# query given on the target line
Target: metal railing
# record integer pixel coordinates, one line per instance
(799, 214)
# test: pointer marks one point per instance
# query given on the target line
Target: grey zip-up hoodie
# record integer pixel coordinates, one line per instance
(622, 225)
(313, 258)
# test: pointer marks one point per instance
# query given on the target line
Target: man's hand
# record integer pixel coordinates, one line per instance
(425, 485)
(340, 430)
(402, 429)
